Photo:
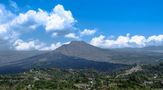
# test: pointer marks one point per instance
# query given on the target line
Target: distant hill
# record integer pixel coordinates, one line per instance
(58, 60)
(83, 50)
(124, 55)
(13, 56)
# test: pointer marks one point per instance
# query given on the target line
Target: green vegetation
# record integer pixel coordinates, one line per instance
(147, 78)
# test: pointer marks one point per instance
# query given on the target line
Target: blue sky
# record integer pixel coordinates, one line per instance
(110, 16)
(104, 21)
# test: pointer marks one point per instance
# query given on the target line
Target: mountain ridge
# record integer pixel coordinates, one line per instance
(83, 50)
(58, 60)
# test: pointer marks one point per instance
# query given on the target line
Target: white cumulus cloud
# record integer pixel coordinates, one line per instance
(72, 36)
(12, 26)
(86, 32)
(52, 46)
(136, 41)
(58, 19)
(30, 45)
(34, 45)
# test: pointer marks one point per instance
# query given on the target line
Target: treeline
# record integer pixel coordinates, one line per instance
(150, 77)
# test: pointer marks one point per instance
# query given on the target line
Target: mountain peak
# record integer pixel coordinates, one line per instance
(83, 50)
(76, 45)
(77, 42)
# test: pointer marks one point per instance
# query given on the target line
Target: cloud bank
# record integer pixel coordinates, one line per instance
(34, 45)
(136, 41)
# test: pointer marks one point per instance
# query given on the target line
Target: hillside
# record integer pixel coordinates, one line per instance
(124, 56)
(58, 60)
(83, 50)
(8, 56)
(149, 78)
